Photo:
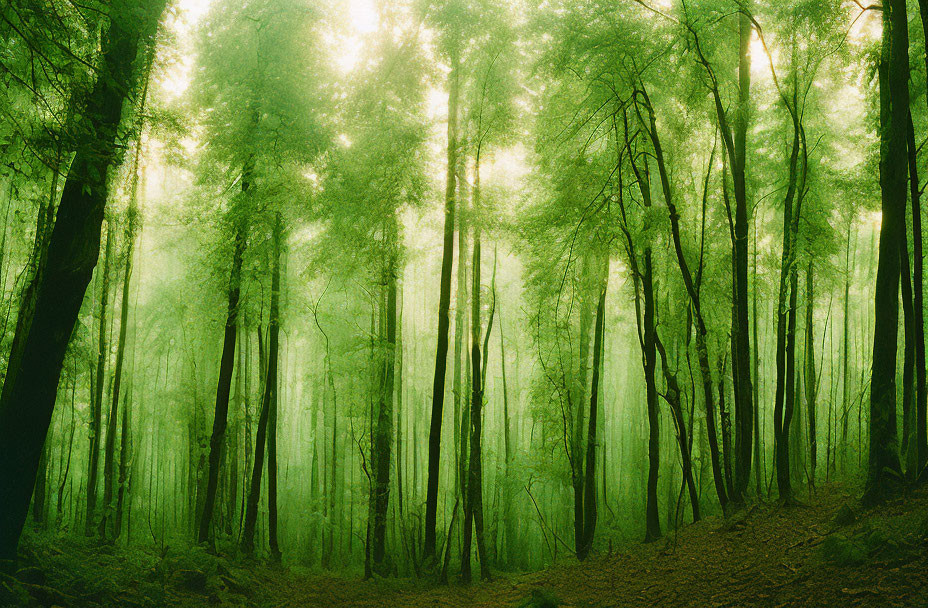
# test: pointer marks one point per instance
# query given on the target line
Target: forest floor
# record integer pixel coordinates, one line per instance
(825, 552)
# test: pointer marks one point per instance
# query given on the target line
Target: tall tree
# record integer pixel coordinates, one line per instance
(30, 386)
(883, 467)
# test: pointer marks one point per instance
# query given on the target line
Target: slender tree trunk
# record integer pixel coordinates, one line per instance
(702, 348)
(125, 459)
(811, 382)
(919, 448)
(785, 355)
(725, 419)
(510, 533)
(268, 405)
(383, 432)
(444, 303)
(744, 409)
(883, 464)
(132, 220)
(274, 397)
(908, 361)
(473, 506)
(96, 407)
(226, 366)
(589, 496)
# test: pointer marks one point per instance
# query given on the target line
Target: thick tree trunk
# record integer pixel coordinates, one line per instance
(226, 367)
(921, 396)
(31, 383)
(883, 464)
(444, 303)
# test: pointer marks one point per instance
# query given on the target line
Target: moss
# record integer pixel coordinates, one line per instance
(841, 550)
(541, 598)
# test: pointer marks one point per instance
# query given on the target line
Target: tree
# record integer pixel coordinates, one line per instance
(31, 383)
(883, 468)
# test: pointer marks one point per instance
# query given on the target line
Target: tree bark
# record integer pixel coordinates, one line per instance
(921, 396)
(383, 432)
(31, 382)
(226, 367)
(702, 349)
(811, 382)
(883, 464)
(744, 409)
(444, 303)
(268, 405)
(589, 496)
(96, 407)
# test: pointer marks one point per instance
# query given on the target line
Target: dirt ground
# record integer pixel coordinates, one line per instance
(766, 556)
(826, 552)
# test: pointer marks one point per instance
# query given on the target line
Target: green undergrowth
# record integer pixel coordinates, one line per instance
(64, 570)
(889, 540)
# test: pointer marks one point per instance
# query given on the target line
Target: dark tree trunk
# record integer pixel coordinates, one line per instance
(921, 396)
(268, 405)
(725, 420)
(226, 367)
(473, 505)
(31, 382)
(589, 495)
(702, 349)
(444, 303)
(125, 459)
(96, 406)
(744, 409)
(383, 430)
(883, 465)
(917, 449)
(132, 219)
(811, 382)
(271, 380)
(38, 496)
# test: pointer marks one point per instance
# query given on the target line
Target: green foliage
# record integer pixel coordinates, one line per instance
(540, 598)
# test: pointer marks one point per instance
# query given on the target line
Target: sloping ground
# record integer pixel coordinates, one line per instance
(822, 554)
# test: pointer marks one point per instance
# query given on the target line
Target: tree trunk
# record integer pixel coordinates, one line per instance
(96, 407)
(919, 450)
(921, 396)
(744, 409)
(811, 382)
(31, 382)
(226, 367)
(589, 496)
(883, 464)
(702, 348)
(383, 432)
(268, 405)
(473, 506)
(271, 381)
(444, 303)
(132, 219)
